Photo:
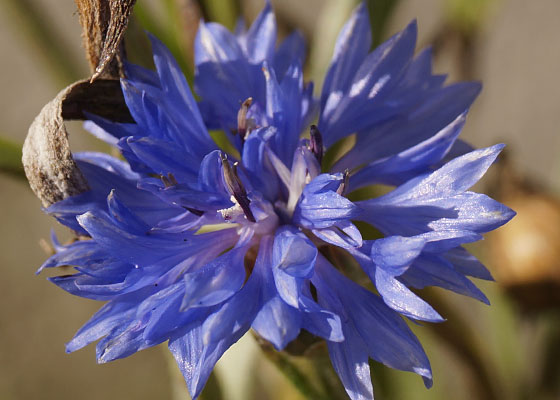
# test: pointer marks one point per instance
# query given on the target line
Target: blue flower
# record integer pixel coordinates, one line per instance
(193, 246)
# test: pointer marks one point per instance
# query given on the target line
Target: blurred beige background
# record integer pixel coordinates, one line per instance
(517, 57)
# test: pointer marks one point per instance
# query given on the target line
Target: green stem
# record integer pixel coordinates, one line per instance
(300, 381)
(458, 335)
(327, 376)
(10, 159)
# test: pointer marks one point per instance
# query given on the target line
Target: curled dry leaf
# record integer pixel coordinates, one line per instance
(52, 173)
(103, 25)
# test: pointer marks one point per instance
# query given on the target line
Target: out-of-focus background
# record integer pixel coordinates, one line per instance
(510, 350)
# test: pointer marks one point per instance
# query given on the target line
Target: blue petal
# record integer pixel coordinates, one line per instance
(120, 343)
(342, 234)
(453, 178)
(352, 46)
(224, 76)
(151, 248)
(192, 358)
(234, 317)
(74, 284)
(415, 123)
(261, 36)
(123, 216)
(395, 253)
(344, 113)
(103, 174)
(437, 201)
(442, 241)
(257, 164)
(78, 253)
(293, 260)
(276, 322)
(386, 335)
(459, 148)
(163, 157)
(161, 317)
(113, 314)
(210, 175)
(293, 253)
(214, 43)
(467, 264)
(475, 212)
(215, 282)
(185, 196)
(133, 98)
(430, 270)
(288, 287)
(419, 73)
(198, 350)
(401, 299)
(291, 50)
(320, 322)
(107, 163)
(139, 74)
(351, 364)
(411, 162)
(284, 109)
(320, 206)
(109, 131)
(183, 109)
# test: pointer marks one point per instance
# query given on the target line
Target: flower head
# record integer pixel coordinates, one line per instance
(193, 246)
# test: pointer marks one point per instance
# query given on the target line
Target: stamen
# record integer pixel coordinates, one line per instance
(244, 125)
(236, 188)
(169, 180)
(196, 212)
(344, 184)
(316, 143)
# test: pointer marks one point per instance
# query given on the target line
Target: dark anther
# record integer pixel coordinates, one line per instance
(244, 125)
(236, 188)
(168, 180)
(196, 212)
(344, 184)
(316, 143)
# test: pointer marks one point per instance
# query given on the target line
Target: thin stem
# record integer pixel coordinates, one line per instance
(456, 333)
(10, 159)
(328, 378)
(300, 381)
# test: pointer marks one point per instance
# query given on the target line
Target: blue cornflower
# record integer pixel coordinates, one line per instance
(194, 246)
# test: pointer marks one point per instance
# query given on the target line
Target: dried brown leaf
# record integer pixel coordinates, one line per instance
(49, 166)
(103, 25)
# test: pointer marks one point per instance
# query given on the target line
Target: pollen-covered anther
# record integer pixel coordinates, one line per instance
(344, 184)
(236, 188)
(245, 125)
(229, 214)
(316, 143)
